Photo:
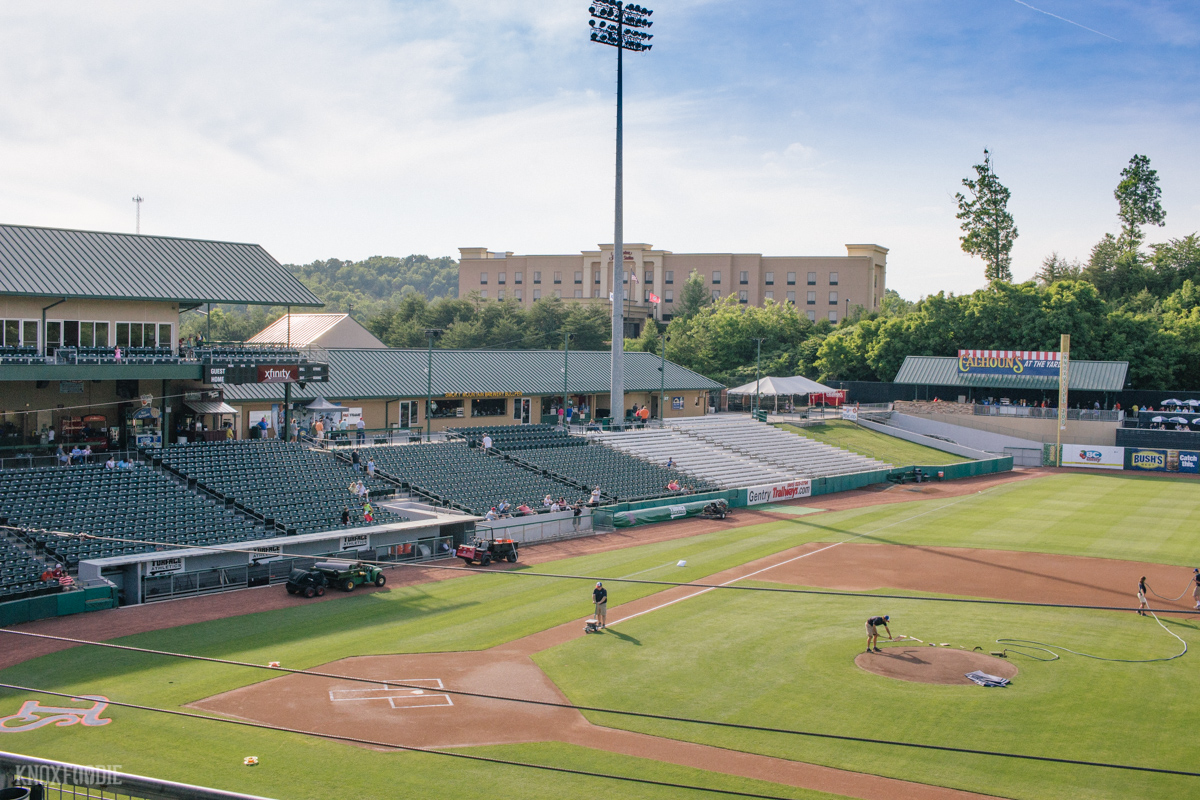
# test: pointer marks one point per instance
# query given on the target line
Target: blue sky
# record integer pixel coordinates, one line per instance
(787, 127)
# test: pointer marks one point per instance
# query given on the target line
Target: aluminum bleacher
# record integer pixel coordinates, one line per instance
(703, 461)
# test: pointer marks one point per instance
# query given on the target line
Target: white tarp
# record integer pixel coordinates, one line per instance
(798, 385)
(1093, 456)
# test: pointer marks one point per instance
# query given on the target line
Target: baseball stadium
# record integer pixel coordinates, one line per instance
(305, 569)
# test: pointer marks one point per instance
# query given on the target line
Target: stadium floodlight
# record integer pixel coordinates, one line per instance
(622, 26)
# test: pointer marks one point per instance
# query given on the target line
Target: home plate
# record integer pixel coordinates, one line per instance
(398, 697)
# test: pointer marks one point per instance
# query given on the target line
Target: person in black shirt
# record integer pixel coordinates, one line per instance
(873, 634)
(1196, 591)
(345, 516)
(600, 598)
(1143, 606)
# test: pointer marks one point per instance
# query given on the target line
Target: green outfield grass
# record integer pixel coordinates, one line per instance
(769, 660)
(847, 435)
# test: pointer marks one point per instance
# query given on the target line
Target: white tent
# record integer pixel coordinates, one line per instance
(799, 385)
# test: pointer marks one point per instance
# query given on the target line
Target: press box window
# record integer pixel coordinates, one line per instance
(491, 407)
(441, 409)
(18, 333)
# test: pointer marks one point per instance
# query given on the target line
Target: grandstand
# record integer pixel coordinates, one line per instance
(792, 454)
(700, 461)
(20, 571)
(519, 437)
(465, 477)
(286, 485)
(619, 475)
(139, 503)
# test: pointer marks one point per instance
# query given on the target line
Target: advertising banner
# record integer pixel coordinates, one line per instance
(164, 566)
(1093, 456)
(1009, 362)
(778, 492)
(356, 542)
(261, 555)
(278, 374)
(1146, 459)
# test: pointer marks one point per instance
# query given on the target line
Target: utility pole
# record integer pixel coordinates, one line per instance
(619, 25)
(432, 333)
(137, 199)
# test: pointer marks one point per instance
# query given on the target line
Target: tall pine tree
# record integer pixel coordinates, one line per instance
(987, 226)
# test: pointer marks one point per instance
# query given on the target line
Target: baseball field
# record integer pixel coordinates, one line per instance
(683, 686)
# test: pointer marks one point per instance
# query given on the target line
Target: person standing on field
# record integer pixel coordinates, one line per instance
(600, 598)
(1196, 590)
(873, 624)
(1143, 606)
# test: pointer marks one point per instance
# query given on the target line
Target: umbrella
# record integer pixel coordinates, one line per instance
(1193, 403)
(1180, 420)
(1172, 402)
(1158, 419)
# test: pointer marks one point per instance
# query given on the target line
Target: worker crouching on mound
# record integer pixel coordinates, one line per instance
(873, 634)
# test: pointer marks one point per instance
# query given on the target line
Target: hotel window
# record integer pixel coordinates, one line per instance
(743, 296)
(716, 294)
(483, 293)
(791, 298)
(769, 279)
(833, 298)
(649, 277)
(579, 277)
(596, 277)
(768, 295)
(716, 277)
(537, 277)
(812, 298)
(579, 292)
(875, 284)
(595, 292)
(669, 296)
(483, 278)
(537, 294)
(517, 294)
(518, 277)
(812, 316)
(669, 276)
(833, 279)
(500, 276)
(499, 294)
(791, 279)
(743, 277)
(645, 295)
(558, 278)
(812, 279)
(558, 293)
(833, 316)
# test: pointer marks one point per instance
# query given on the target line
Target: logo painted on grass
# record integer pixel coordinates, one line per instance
(792, 490)
(33, 715)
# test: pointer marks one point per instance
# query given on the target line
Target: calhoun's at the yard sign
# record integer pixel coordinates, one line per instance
(1009, 362)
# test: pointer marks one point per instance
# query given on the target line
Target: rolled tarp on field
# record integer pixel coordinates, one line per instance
(663, 513)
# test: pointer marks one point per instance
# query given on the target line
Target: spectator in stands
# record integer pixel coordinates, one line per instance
(346, 516)
(595, 498)
(561, 415)
(362, 491)
(487, 442)
(228, 431)
(576, 513)
(370, 468)
(64, 458)
(670, 463)
(569, 412)
(50, 435)
(295, 429)
(504, 507)
(110, 464)
(355, 460)
(368, 512)
(644, 414)
(491, 514)
(673, 486)
(361, 425)
(318, 429)
(554, 506)
(547, 501)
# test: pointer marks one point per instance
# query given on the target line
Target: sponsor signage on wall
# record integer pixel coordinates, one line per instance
(164, 566)
(355, 542)
(1009, 362)
(278, 374)
(1146, 459)
(261, 555)
(677, 403)
(778, 492)
(1093, 456)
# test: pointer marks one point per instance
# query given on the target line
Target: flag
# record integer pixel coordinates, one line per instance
(654, 298)
(633, 276)
(610, 297)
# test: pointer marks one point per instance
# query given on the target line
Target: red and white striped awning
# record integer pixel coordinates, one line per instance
(1031, 355)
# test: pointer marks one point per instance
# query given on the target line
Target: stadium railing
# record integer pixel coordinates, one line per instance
(1037, 412)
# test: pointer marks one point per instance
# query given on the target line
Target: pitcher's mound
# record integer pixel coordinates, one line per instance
(933, 664)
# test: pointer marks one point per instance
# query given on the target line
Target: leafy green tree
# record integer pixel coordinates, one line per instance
(988, 228)
(693, 296)
(1139, 201)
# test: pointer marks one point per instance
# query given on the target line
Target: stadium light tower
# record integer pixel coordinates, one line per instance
(620, 25)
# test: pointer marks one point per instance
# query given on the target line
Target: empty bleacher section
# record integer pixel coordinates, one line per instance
(288, 486)
(139, 503)
(619, 475)
(520, 437)
(702, 461)
(788, 452)
(465, 477)
(20, 572)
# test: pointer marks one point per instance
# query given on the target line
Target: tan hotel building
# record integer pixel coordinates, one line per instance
(826, 287)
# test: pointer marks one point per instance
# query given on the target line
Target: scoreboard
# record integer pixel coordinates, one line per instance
(230, 374)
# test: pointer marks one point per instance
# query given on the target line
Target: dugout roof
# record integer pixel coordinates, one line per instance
(1089, 376)
(366, 374)
(55, 262)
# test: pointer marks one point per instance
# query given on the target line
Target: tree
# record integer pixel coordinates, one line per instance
(988, 227)
(693, 296)
(1055, 268)
(1138, 201)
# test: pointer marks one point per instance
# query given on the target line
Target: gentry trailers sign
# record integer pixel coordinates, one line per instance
(778, 492)
(1009, 362)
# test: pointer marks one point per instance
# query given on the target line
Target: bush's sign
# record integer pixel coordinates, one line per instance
(1009, 362)
(1093, 456)
(778, 492)
(1143, 459)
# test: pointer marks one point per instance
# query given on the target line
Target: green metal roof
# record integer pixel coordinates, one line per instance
(1088, 376)
(53, 262)
(364, 374)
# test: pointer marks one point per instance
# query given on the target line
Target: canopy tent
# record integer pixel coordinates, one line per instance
(205, 407)
(321, 404)
(798, 385)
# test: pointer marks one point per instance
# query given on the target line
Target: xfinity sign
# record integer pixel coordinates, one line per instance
(778, 492)
(278, 374)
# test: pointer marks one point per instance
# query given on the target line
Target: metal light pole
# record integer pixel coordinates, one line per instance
(566, 354)
(662, 377)
(432, 333)
(138, 200)
(758, 375)
(619, 25)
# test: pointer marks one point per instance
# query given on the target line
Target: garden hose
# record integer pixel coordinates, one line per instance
(1017, 645)
(1173, 599)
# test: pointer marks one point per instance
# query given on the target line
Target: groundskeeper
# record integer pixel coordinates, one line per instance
(600, 598)
(873, 624)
